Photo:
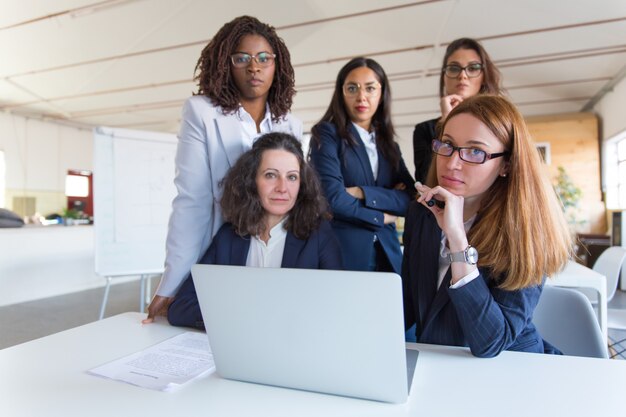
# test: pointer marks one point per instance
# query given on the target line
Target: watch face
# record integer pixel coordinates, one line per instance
(472, 255)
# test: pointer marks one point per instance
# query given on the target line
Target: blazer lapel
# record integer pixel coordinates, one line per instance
(293, 247)
(427, 292)
(361, 154)
(239, 250)
(441, 299)
(385, 172)
(429, 266)
(229, 126)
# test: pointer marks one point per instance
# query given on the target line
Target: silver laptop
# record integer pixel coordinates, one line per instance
(336, 332)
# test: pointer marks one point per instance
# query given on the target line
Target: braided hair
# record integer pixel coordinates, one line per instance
(213, 70)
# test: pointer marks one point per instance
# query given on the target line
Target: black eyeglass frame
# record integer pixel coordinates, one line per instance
(486, 156)
(461, 69)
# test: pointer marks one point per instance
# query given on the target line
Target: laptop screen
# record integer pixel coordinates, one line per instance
(337, 332)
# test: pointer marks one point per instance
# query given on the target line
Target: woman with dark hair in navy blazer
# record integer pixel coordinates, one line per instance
(364, 178)
(274, 209)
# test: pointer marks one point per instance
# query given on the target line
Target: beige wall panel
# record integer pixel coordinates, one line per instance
(574, 145)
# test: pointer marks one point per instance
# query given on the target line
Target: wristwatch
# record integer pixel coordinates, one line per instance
(469, 256)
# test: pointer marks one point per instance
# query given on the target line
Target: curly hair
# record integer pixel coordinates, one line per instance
(491, 79)
(213, 70)
(381, 121)
(241, 205)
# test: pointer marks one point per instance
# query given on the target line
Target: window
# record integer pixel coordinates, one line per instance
(2, 179)
(621, 173)
(615, 172)
(76, 186)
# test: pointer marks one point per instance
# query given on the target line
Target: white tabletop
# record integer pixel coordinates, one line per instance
(575, 275)
(46, 377)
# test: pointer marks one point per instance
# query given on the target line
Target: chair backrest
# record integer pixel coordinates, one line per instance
(564, 317)
(609, 264)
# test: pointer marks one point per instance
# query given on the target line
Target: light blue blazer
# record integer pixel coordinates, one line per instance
(209, 143)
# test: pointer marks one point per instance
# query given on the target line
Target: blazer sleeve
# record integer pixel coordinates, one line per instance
(493, 319)
(423, 135)
(390, 200)
(189, 224)
(185, 309)
(327, 162)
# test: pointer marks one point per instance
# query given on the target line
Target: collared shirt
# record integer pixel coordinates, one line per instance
(270, 254)
(444, 261)
(369, 140)
(249, 126)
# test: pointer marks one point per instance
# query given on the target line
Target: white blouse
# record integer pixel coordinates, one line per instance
(369, 140)
(270, 254)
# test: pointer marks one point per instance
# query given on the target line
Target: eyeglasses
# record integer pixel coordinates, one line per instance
(472, 70)
(242, 60)
(354, 89)
(471, 155)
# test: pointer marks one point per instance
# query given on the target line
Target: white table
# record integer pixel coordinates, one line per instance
(45, 261)
(576, 275)
(46, 377)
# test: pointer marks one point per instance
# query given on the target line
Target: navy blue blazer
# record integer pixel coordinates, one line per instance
(357, 222)
(320, 251)
(479, 315)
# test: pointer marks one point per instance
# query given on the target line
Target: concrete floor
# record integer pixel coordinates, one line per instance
(22, 322)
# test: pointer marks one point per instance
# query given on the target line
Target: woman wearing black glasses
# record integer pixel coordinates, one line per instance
(467, 70)
(474, 265)
(245, 89)
(363, 176)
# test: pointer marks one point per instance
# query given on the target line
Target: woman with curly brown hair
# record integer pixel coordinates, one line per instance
(273, 206)
(245, 89)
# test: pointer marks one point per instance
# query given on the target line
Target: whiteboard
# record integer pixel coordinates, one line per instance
(133, 191)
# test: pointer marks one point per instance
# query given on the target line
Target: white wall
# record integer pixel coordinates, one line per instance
(613, 122)
(404, 137)
(612, 111)
(37, 157)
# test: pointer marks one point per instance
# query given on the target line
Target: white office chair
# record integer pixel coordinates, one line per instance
(610, 263)
(565, 318)
(611, 266)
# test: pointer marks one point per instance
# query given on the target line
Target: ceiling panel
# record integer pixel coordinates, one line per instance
(130, 62)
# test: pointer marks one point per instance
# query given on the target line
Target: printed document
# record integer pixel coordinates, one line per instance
(165, 366)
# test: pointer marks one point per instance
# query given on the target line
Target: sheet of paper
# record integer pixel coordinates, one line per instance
(165, 366)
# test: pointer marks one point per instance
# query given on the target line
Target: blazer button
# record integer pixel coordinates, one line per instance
(374, 202)
(375, 219)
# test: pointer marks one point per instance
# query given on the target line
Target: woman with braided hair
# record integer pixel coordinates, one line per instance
(245, 89)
